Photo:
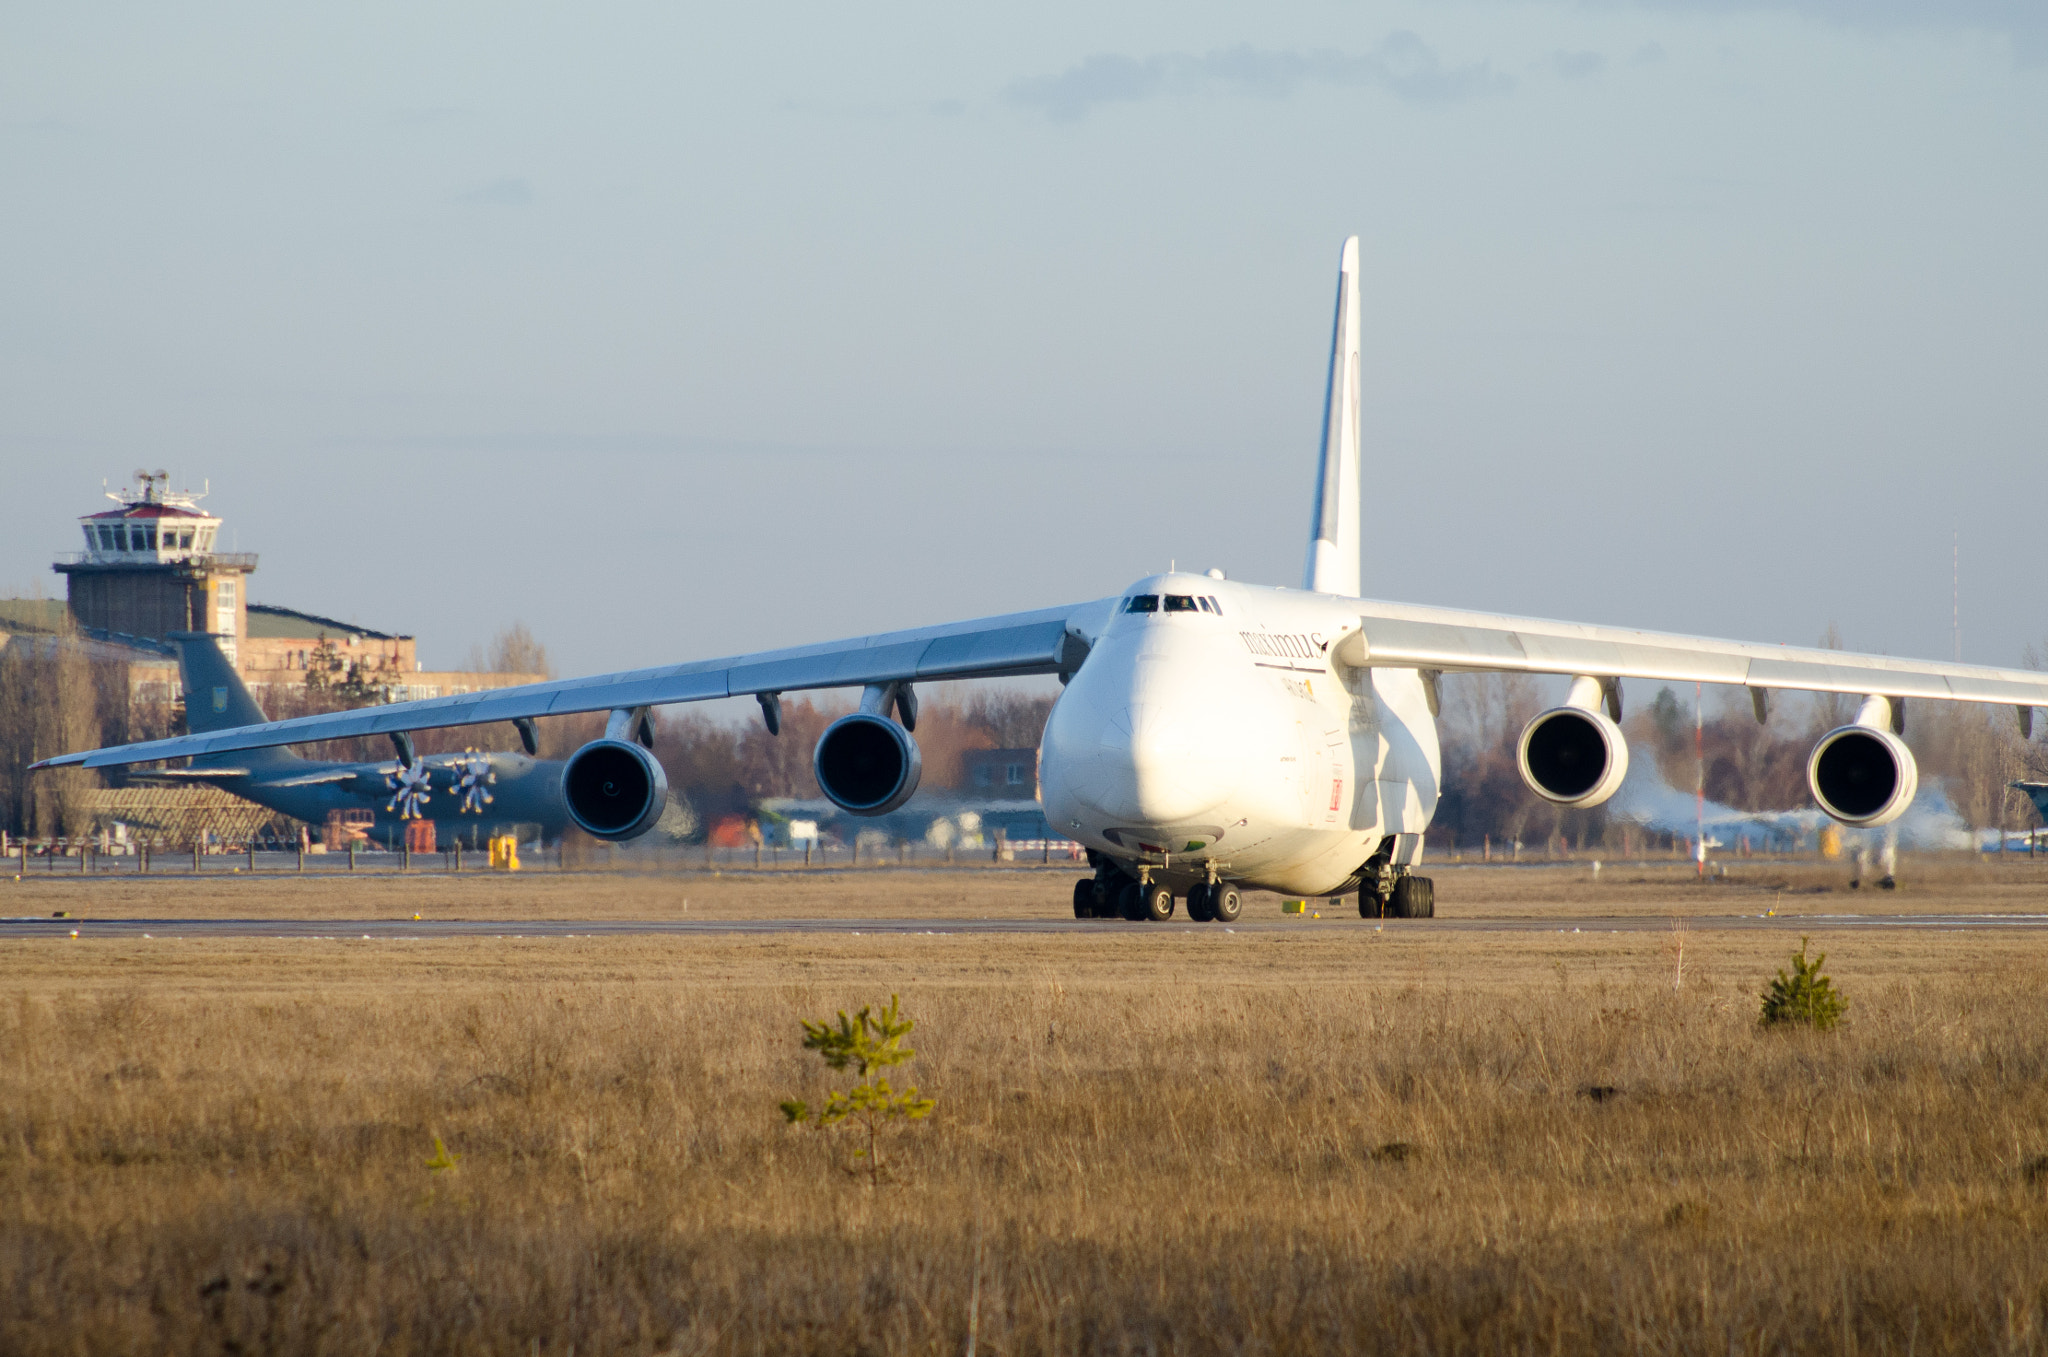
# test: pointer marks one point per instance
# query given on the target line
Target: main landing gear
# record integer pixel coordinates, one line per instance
(1389, 892)
(1413, 897)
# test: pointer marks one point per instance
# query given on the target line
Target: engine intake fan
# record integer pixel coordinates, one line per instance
(1574, 755)
(1863, 774)
(867, 764)
(614, 789)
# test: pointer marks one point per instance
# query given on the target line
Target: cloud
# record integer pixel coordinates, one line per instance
(1403, 65)
(1577, 65)
(501, 192)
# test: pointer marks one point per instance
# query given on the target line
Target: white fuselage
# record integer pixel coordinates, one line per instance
(1233, 736)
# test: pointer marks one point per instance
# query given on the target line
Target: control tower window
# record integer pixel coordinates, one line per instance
(1180, 603)
(1142, 603)
(149, 539)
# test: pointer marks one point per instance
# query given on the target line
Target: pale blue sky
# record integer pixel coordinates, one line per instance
(682, 332)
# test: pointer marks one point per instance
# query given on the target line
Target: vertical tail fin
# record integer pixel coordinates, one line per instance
(1333, 532)
(215, 696)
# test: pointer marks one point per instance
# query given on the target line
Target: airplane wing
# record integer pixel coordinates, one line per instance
(312, 779)
(345, 774)
(193, 774)
(1048, 641)
(1398, 635)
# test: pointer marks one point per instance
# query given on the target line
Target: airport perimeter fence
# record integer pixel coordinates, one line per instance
(55, 857)
(22, 859)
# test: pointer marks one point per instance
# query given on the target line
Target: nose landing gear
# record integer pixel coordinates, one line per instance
(1154, 902)
(1215, 902)
(1111, 893)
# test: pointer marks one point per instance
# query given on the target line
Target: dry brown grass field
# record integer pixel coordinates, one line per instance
(1330, 1138)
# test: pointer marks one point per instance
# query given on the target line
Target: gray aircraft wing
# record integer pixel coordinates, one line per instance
(343, 773)
(190, 774)
(348, 772)
(1048, 641)
(1399, 635)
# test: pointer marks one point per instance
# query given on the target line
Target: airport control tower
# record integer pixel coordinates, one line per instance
(149, 568)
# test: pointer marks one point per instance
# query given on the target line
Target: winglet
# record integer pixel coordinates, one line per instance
(1333, 545)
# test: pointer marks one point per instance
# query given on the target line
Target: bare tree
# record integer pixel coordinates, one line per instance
(515, 650)
(49, 704)
(1010, 719)
(1832, 710)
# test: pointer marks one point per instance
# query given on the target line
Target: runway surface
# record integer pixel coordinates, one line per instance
(406, 929)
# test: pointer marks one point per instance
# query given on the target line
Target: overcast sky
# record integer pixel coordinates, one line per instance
(679, 332)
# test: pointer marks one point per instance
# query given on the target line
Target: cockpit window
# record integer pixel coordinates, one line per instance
(1203, 603)
(1180, 603)
(1142, 603)
(1215, 606)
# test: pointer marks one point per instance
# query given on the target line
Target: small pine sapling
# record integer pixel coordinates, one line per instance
(867, 1043)
(1805, 996)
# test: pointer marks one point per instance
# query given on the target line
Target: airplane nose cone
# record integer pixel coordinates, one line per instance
(1154, 767)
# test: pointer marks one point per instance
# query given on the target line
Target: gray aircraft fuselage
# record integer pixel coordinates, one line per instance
(507, 790)
(525, 792)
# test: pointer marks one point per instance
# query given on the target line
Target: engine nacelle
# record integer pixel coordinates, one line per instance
(614, 789)
(867, 764)
(1572, 756)
(1862, 776)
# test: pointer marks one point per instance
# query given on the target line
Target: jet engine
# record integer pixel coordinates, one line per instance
(614, 788)
(866, 764)
(1572, 756)
(1862, 775)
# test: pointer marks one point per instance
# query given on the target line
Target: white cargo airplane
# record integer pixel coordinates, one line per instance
(1214, 735)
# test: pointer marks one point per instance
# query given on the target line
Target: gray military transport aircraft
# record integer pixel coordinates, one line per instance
(1214, 735)
(469, 796)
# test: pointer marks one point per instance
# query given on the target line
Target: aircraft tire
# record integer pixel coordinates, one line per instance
(1131, 903)
(1414, 898)
(1371, 906)
(1084, 898)
(1225, 904)
(1199, 908)
(1155, 903)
